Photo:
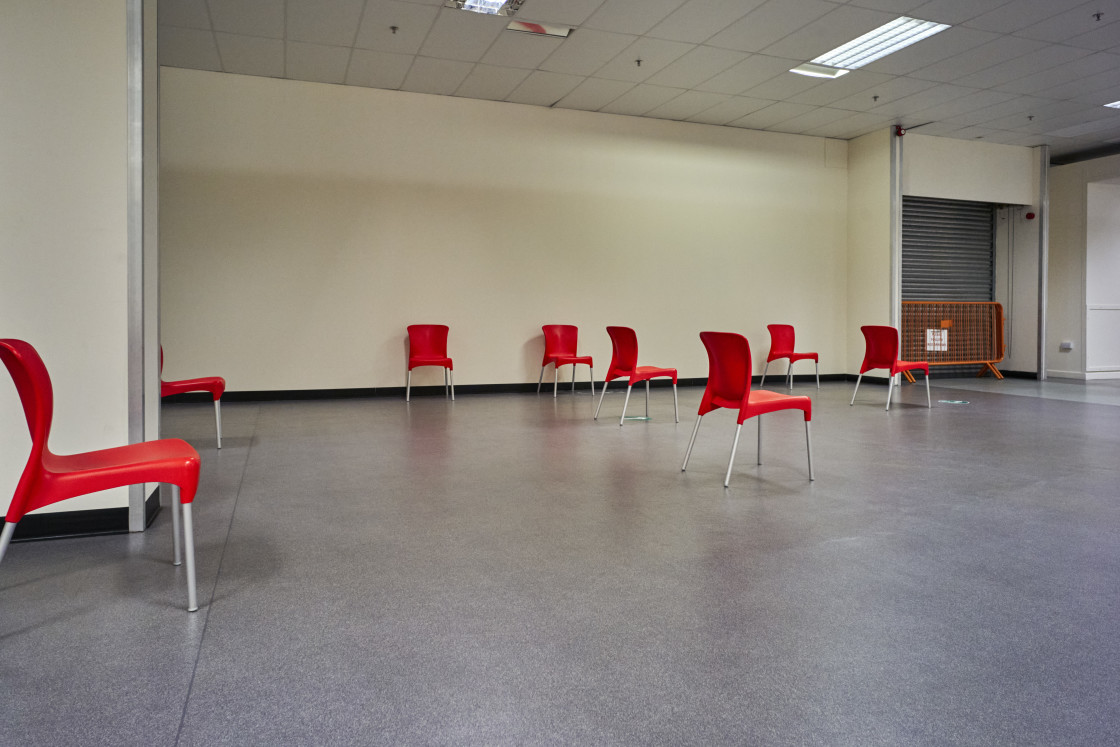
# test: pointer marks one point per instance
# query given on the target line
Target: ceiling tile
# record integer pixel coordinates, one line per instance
(1026, 13)
(899, 7)
(948, 43)
(413, 23)
(993, 53)
(753, 71)
(814, 119)
(772, 115)
(594, 93)
(251, 55)
(640, 99)
(515, 49)
(563, 12)
(249, 17)
(316, 62)
(851, 126)
(462, 35)
(962, 104)
(697, 66)
(631, 16)
(922, 100)
(890, 91)
(842, 88)
(490, 82)
(1071, 22)
(687, 104)
(193, 49)
(191, 14)
(828, 32)
(585, 51)
(654, 54)
(333, 22)
(543, 88)
(429, 75)
(1103, 37)
(1088, 88)
(769, 23)
(1061, 74)
(955, 12)
(698, 20)
(377, 69)
(1021, 67)
(784, 86)
(734, 108)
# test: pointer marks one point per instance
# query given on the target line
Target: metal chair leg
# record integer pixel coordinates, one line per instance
(929, 402)
(188, 536)
(627, 402)
(818, 366)
(759, 419)
(408, 386)
(731, 461)
(591, 373)
(604, 394)
(890, 391)
(647, 399)
(676, 414)
(691, 441)
(178, 558)
(452, 375)
(809, 448)
(764, 370)
(858, 380)
(540, 379)
(555, 378)
(6, 537)
(789, 375)
(218, 419)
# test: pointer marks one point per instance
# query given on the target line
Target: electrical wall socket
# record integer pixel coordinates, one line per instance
(1065, 346)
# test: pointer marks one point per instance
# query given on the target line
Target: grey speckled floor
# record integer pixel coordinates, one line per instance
(503, 570)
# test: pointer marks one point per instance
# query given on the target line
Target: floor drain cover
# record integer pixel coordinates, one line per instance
(952, 401)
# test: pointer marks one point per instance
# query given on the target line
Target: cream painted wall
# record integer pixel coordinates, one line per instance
(969, 170)
(63, 232)
(303, 226)
(1102, 281)
(869, 239)
(1069, 231)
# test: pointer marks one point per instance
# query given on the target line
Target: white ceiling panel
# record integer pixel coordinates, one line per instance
(769, 23)
(764, 119)
(316, 62)
(251, 55)
(955, 12)
(586, 51)
(631, 16)
(642, 59)
(377, 69)
(753, 71)
(430, 75)
(413, 21)
(544, 88)
(641, 99)
(462, 35)
(687, 105)
(249, 17)
(1010, 60)
(333, 22)
(189, 14)
(734, 108)
(697, 66)
(189, 48)
(515, 49)
(492, 83)
(563, 12)
(594, 93)
(699, 20)
(828, 32)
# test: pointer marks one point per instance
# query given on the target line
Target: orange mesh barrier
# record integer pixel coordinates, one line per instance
(953, 333)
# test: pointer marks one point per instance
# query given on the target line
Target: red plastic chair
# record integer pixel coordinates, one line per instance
(729, 385)
(883, 344)
(560, 350)
(49, 478)
(216, 385)
(427, 346)
(624, 362)
(781, 346)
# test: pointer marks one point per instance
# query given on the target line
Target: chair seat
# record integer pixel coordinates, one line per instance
(428, 360)
(645, 373)
(216, 385)
(761, 401)
(911, 366)
(169, 460)
(794, 357)
(564, 360)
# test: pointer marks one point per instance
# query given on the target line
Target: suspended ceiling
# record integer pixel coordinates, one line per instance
(1024, 72)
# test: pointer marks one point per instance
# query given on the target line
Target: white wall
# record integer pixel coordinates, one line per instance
(303, 226)
(1102, 280)
(63, 230)
(869, 239)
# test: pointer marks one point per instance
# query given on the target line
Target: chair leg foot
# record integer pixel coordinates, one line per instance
(603, 393)
(6, 537)
(731, 461)
(625, 403)
(691, 441)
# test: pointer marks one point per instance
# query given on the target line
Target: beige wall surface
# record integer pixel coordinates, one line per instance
(63, 230)
(968, 170)
(304, 226)
(869, 239)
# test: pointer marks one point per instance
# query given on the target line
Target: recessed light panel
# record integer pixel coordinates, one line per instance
(819, 71)
(489, 7)
(891, 37)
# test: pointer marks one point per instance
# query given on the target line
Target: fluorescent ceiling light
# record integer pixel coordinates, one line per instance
(1114, 105)
(891, 37)
(541, 29)
(489, 7)
(819, 71)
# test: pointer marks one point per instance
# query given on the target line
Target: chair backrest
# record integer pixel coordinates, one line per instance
(882, 347)
(559, 339)
(729, 370)
(781, 340)
(427, 339)
(35, 392)
(624, 350)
